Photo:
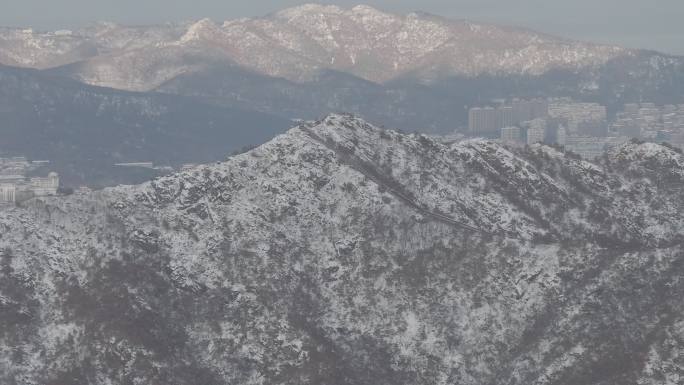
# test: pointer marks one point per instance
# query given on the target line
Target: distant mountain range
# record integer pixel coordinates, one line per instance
(301, 44)
(413, 72)
(297, 44)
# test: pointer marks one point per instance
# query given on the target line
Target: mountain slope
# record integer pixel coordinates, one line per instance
(84, 130)
(406, 106)
(439, 107)
(342, 253)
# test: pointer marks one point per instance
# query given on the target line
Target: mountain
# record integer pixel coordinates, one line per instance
(85, 130)
(439, 107)
(342, 253)
(407, 106)
(298, 43)
(27, 48)
(414, 71)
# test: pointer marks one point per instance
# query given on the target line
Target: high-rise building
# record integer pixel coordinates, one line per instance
(488, 120)
(536, 131)
(474, 119)
(511, 135)
(561, 136)
(507, 116)
(483, 121)
(8, 193)
(45, 186)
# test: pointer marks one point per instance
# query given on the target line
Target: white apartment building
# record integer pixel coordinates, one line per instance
(511, 135)
(8, 193)
(45, 186)
(535, 135)
(562, 136)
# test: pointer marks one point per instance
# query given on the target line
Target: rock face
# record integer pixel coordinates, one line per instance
(341, 253)
(298, 43)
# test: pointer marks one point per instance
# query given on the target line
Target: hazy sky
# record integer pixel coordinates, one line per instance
(655, 24)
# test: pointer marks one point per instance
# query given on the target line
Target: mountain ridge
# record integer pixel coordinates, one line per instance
(289, 265)
(297, 42)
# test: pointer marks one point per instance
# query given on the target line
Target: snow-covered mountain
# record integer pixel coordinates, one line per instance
(298, 43)
(341, 253)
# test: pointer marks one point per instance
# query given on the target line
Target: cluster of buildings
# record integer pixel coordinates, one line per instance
(518, 122)
(16, 186)
(534, 131)
(587, 128)
(583, 128)
(580, 119)
(487, 121)
(650, 122)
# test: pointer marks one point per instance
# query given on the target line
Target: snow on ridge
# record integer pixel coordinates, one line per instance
(199, 30)
(335, 244)
(458, 173)
(306, 9)
(646, 158)
(297, 42)
(634, 150)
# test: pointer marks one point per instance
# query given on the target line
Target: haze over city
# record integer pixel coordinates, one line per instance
(631, 23)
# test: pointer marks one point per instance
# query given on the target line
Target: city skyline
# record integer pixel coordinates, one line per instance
(629, 25)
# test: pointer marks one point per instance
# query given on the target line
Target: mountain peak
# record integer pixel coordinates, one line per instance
(315, 9)
(309, 8)
(366, 9)
(647, 158)
(344, 129)
(199, 30)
